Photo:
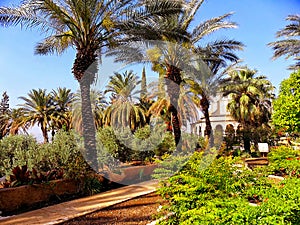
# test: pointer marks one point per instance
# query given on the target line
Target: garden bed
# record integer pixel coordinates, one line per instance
(131, 174)
(254, 162)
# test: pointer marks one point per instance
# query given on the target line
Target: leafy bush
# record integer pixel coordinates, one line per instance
(111, 148)
(219, 191)
(63, 153)
(284, 160)
(23, 176)
(122, 145)
(17, 150)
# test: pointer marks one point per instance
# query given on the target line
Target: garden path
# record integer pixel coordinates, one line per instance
(68, 210)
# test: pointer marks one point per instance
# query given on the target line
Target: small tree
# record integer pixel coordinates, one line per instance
(4, 118)
(286, 115)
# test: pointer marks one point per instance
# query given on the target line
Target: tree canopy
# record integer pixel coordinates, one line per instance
(286, 115)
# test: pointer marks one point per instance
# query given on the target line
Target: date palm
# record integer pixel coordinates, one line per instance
(290, 46)
(124, 110)
(38, 110)
(62, 100)
(250, 100)
(90, 26)
(177, 31)
(211, 65)
(17, 122)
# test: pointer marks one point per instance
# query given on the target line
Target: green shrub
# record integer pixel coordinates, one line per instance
(219, 191)
(17, 150)
(122, 145)
(113, 148)
(63, 153)
(284, 160)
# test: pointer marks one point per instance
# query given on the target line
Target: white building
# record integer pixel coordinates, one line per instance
(219, 117)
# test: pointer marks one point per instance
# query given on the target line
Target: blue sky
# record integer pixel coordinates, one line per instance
(258, 21)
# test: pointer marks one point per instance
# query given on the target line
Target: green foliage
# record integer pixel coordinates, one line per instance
(286, 107)
(23, 176)
(92, 185)
(110, 147)
(122, 145)
(62, 154)
(17, 150)
(284, 161)
(219, 191)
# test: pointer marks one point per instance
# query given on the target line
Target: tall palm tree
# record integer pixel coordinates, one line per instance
(290, 47)
(62, 99)
(38, 109)
(175, 29)
(250, 100)
(90, 26)
(124, 110)
(211, 66)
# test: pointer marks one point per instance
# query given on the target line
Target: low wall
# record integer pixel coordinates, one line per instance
(12, 199)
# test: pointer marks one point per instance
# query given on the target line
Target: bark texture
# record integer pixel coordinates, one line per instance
(173, 80)
(84, 70)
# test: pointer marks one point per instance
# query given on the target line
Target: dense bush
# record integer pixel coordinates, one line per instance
(62, 154)
(219, 191)
(122, 145)
(17, 150)
(284, 161)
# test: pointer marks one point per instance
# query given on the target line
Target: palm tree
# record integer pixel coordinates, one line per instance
(38, 109)
(250, 100)
(17, 121)
(211, 66)
(291, 45)
(124, 110)
(62, 99)
(176, 30)
(90, 26)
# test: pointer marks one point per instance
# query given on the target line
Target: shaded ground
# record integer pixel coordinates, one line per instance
(141, 210)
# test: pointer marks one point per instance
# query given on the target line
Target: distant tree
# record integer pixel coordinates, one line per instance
(124, 110)
(143, 94)
(290, 46)
(4, 112)
(286, 115)
(63, 99)
(250, 100)
(38, 109)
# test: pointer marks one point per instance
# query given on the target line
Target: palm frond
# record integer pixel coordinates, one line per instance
(209, 26)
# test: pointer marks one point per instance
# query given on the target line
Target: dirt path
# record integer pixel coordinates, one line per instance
(141, 210)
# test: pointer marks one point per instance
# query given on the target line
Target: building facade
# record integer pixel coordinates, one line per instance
(220, 118)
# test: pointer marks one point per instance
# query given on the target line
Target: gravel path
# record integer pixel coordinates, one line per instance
(141, 210)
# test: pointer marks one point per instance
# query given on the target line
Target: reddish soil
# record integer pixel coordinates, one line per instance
(141, 210)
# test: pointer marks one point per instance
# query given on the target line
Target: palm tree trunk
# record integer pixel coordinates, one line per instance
(88, 125)
(84, 70)
(247, 139)
(204, 103)
(45, 134)
(176, 124)
(173, 81)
